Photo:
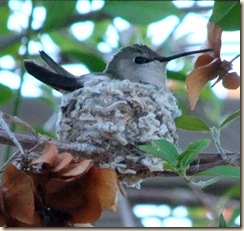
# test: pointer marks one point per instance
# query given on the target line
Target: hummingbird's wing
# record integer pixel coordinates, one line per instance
(55, 66)
(54, 80)
(56, 77)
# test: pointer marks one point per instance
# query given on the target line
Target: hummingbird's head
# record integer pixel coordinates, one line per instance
(139, 63)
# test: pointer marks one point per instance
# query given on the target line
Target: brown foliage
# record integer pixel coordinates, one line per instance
(56, 190)
(210, 66)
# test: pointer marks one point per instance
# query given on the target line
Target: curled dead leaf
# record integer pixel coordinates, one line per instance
(2, 212)
(198, 78)
(84, 198)
(105, 187)
(64, 196)
(101, 194)
(231, 81)
(18, 195)
(214, 38)
(203, 60)
(210, 66)
(76, 169)
(70, 191)
(62, 161)
(48, 156)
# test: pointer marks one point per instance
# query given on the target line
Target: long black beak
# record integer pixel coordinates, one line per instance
(166, 59)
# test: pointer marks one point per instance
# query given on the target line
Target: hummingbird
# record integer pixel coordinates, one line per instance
(116, 110)
(137, 63)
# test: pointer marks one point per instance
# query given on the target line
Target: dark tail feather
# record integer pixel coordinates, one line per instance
(56, 81)
(55, 66)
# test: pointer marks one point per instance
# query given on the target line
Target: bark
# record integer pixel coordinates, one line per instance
(202, 162)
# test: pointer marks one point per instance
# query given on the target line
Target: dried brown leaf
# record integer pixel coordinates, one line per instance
(76, 169)
(18, 194)
(214, 38)
(64, 196)
(105, 186)
(198, 78)
(101, 194)
(62, 161)
(84, 198)
(89, 211)
(2, 212)
(48, 156)
(203, 60)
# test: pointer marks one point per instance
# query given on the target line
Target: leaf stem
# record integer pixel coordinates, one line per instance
(216, 137)
(232, 60)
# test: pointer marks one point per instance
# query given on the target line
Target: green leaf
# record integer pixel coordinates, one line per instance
(222, 223)
(230, 118)
(168, 167)
(191, 123)
(222, 171)
(227, 14)
(192, 152)
(163, 149)
(58, 14)
(5, 94)
(141, 12)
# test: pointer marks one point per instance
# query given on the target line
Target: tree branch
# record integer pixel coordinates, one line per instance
(204, 160)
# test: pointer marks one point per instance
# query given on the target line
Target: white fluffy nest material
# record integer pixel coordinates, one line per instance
(117, 116)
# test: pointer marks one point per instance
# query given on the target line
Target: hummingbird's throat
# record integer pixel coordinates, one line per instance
(169, 58)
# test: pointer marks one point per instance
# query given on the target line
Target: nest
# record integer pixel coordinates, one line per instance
(117, 116)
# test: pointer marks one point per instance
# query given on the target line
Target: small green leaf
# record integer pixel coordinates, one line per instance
(230, 118)
(5, 94)
(222, 223)
(168, 167)
(191, 123)
(163, 149)
(227, 14)
(169, 150)
(192, 152)
(222, 171)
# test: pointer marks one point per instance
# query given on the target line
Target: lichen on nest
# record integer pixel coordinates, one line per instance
(118, 116)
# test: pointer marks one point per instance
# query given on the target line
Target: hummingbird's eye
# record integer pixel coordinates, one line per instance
(141, 60)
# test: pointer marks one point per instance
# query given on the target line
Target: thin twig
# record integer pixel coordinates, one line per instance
(6, 128)
(11, 158)
(20, 122)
